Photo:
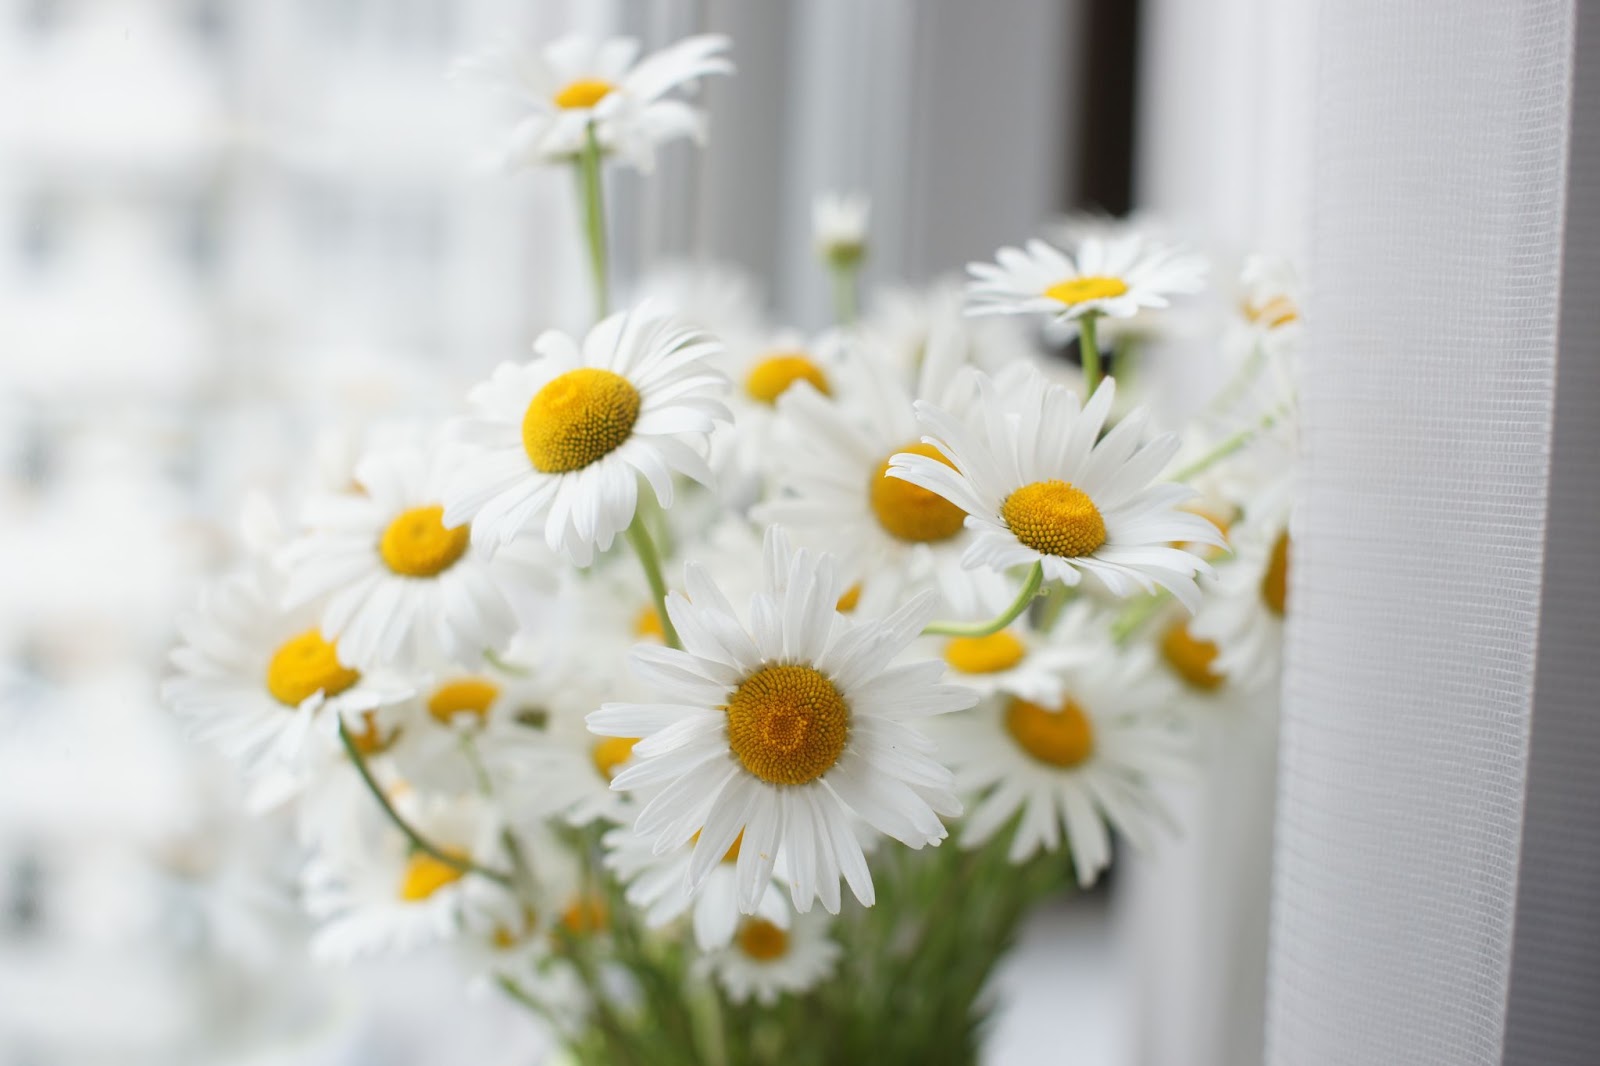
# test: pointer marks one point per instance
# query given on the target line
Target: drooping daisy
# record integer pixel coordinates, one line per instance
(765, 961)
(839, 227)
(1247, 601)
(1039, 484)
(565, 438)
(384, 897)
(785, 727)
(659, 886)
(401, 584)
(256, 680)
(891, 536)
(559, 91)
(1107, 277)
(1072, 767)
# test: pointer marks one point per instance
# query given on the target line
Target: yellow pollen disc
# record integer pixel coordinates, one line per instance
(647, 624)
(1054, 518)
(577, 418)
(417, 544)
(910, 512)
(772, 376)
(1086, 288)
(426, 875)
(1275, 584)
(1061, 738)
(471, 695)
(585, 92)
(849, 599)
(371, 740)
(762, 941)
(585, 914)
(1273, 314)
(985, 655)
(609, 754)
(787, 724)
(305, 665)
(1190, 657)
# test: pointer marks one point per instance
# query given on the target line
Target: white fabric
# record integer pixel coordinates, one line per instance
(1440, 135)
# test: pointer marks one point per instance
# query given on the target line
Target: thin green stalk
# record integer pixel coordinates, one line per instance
(1089, 352)
(645, 548)
(1227, 447)
(592, 193)
(1134, 617)
(418, 841)
(844, 292)
(1030, 589)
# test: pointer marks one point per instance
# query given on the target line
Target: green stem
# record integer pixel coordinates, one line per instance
(1131, 620)
(418, 841)
(1030, 589)
(1227, 447)
(844, 292)
(592, 193)
(645, 548)
(1089, 352)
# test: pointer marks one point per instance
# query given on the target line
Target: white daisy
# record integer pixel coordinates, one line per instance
(659, 886)
(765, 961)
(1017, 660)
(257, 680)
(461, 725)
(1247, 601)
(889, 535)
(907, 325)
(839, 227)
(558, 92)
(1107, 277)
(400, 584)
(785, 728)
(567, 436)
(1069, 768)
(1040, 485)
(384, 897)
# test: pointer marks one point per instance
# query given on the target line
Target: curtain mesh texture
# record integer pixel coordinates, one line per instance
(1440, 134)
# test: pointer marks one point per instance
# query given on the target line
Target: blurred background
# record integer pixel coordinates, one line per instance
(233, 230)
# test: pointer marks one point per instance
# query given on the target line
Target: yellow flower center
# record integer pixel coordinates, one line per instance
(647, 624)
(371, 739)
(585, 914)
(772, 376)
(1275, 583)
(762, 941)
(910, 512)
(577, 418)
(787, 724)
(985, 655)
(1190, 657)
(1089, 287)
(417, 544)
(610, 753)
(1054, 518)
(425, 875)
(1274, 313)
(471, 695)
(305, 665)
(1061, 738)
(585, 92)
(849, 599)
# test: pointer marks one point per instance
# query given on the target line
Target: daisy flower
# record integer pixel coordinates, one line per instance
(765, 960)
(1040, 485)
(659, 886)
(1067, 769)
(785, 728)
(1016, 660)
(1107, 277)
(399, 582)
(256, 680)
(382, 897)
(562, 90)
(1246, 604)
(461, 724)
(839, 227)
(566, 437)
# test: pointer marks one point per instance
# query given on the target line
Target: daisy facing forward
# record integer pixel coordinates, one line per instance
(1107, 277)
(398, 581)
(566, 437)
(560, 91)
(785, 729)
(765, 960)
(1040, 485)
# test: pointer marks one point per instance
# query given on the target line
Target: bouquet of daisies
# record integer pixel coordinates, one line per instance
(726, 695)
